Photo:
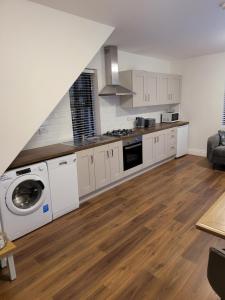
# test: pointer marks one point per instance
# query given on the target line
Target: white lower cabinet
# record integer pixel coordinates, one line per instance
(171, 142)
(116, 161)
(99, 166)
(102, 166)
(86, 172)
(148, 149)
(158, 146)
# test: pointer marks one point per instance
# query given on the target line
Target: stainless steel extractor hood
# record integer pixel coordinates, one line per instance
(113, 88)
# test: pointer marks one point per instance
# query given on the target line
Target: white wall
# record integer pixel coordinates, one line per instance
(203, 94)
(112, 115)
(42, 52)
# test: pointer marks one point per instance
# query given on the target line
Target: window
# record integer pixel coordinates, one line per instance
(83, 98)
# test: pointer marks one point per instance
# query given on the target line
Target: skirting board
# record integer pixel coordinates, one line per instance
(197, 152)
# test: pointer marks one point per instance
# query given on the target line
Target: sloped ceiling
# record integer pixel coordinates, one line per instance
(42, 52)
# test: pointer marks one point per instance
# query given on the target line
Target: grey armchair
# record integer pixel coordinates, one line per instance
(215, 151)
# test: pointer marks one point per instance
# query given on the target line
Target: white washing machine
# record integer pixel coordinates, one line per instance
(25, 202)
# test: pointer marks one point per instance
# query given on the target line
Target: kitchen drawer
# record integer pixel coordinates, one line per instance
(172, 136)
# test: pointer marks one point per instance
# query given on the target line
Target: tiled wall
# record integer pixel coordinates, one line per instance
(57, 128)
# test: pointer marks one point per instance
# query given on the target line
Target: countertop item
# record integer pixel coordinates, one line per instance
(31, 156)
(213, 221)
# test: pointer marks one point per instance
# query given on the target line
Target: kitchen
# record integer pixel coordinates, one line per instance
(112, 180)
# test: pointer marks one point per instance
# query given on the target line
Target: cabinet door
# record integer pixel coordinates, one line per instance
(102, 166)
(116, 161)
(174, 89)
(85, 170)
(171, 142)
(140, 98)
(151, 87)
(160, 146)
(163, 89)
(148, 149)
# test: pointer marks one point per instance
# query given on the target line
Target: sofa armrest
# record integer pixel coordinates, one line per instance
(213, 142)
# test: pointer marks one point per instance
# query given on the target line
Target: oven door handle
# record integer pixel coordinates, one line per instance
(134, 146)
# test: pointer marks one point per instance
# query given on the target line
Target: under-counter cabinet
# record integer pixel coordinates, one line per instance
(99, 167)
(86, 172)
(171, 142)
(102, 166)
(158, 146)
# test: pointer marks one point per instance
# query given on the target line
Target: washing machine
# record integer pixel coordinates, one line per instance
(25, 202)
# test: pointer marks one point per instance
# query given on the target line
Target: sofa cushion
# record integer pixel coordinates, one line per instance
(222, 137)
(219, 152)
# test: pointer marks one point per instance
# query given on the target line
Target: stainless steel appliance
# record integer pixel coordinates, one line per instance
(113, 87)
(132, 152)
(149, 122)
(140, 122)
(170, 117)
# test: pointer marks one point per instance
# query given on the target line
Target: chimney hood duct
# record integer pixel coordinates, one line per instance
(113, 88)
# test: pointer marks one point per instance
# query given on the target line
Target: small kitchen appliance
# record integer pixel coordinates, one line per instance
(140, 122)
(169, 117)
(149, 122)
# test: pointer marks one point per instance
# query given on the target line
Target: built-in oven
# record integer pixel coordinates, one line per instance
(132, 152)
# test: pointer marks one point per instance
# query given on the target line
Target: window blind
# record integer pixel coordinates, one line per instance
(82, 103)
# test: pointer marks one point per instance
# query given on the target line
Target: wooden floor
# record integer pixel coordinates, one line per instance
(136, 241)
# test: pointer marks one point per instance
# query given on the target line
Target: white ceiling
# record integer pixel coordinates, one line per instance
(162, 28)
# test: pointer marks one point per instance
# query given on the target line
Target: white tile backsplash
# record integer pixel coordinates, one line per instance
(56, 129)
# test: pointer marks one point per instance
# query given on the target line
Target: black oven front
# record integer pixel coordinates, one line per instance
(132, 152)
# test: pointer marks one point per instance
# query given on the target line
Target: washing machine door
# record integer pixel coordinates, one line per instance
(25, 195)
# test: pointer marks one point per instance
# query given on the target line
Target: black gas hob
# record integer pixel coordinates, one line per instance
(120, 132)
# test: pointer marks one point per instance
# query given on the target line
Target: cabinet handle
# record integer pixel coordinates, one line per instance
(112, 152)
(107, 153)
(63, 163)
(92, 159)
(154, 140)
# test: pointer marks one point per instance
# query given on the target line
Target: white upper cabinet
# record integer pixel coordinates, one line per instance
(174, 89)
(169, 89)
(150, 88)
(138, 86)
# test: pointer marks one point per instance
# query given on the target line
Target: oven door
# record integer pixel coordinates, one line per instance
(132, 155)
